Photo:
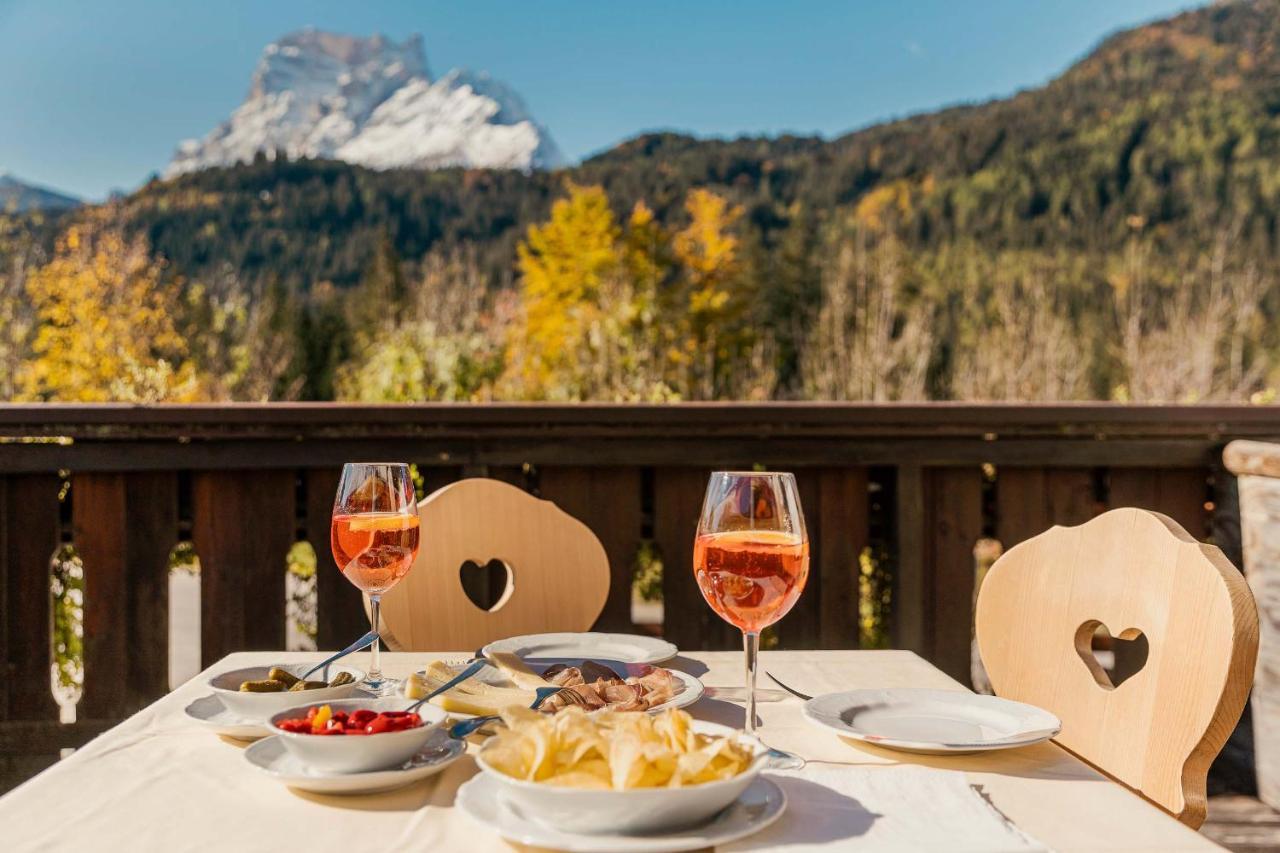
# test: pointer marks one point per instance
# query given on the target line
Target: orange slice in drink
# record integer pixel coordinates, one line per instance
(375, 523)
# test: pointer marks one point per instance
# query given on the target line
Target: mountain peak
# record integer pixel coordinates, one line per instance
(18, 196)
(371, 101)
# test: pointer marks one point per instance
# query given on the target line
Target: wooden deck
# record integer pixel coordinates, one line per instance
(1242, 824)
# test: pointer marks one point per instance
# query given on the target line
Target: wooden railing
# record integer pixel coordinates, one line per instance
(244, 482)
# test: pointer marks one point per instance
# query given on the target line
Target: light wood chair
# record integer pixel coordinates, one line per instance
(557, 570)
(1135, 572)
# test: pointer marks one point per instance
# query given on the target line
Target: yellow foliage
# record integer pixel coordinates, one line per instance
(564, 264)
(105, 328)
(893, 196)
(625, 313)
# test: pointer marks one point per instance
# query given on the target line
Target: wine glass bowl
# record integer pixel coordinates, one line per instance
(374, 537)
(751, 556)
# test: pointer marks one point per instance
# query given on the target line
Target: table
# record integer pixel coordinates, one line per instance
(158, 782)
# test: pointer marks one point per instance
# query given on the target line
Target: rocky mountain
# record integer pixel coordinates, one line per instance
(19, 197)
(1167, 132)
(371, 102)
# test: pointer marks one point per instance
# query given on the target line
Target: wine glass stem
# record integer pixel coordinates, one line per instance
(751, 645)
(375, 667)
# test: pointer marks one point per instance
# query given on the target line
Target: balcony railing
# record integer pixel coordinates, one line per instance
(918, 485)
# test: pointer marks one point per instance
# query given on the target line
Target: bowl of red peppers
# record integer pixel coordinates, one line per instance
(356, 735)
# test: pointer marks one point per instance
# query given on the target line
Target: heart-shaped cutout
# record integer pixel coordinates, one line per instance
(1112, 660)
(488, 586)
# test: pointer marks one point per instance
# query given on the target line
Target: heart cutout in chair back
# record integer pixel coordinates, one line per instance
(1112, 660)
(488, 586)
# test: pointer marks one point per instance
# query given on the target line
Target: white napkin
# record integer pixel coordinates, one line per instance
(899, 809)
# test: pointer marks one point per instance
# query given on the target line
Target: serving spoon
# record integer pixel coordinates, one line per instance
(467, 727)
(362, 643)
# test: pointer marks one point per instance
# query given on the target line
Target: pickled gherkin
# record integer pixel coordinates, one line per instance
(307, 685)
(288, 679)
(266, 685)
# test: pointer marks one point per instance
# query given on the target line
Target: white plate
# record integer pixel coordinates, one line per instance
(269, 756)
(210, 713)
(931, 721)
(551, 648)
(688, 690)
(758, 806)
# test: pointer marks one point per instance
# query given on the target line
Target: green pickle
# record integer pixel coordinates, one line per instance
(288, 679)
(266, 685)
(307, 685)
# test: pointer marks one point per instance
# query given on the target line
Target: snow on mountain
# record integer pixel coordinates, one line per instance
(372, 102)
(18, 196)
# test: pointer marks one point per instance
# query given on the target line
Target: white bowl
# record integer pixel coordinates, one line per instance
(635, 810)
(259, 706)
(358, 753)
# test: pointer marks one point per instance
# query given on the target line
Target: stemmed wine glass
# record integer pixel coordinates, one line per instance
(751, 556)
(374, 537)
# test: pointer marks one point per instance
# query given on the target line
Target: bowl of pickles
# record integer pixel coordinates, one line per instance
(260, 691)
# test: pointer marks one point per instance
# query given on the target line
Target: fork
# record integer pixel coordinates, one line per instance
(467, 727)
(796, 693)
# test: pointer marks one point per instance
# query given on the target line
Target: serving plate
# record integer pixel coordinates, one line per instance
(226, 686)
(584, 645)
(931, 721)
(481, 799)
(269, 757)
(689, 688)
(209, 712)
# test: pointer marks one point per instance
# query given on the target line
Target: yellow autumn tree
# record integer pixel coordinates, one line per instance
(706, 251)
(564, 264)
(104, 323)
(627, 312)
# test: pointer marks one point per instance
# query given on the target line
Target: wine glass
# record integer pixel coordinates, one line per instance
(751, 556)
(374, 537)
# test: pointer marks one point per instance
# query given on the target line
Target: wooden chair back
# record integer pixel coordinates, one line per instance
(557, 570)
(1135, 572)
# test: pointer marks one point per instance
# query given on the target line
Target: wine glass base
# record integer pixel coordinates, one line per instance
(385, 687)
(739, 694)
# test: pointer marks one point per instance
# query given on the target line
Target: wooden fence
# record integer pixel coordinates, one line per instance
(244, 482)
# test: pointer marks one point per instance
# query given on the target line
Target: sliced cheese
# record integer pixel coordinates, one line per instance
(469, 697)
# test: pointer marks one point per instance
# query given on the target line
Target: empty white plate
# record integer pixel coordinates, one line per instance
(932, 721)
(550, 648)
(759, 805)
(210, 713)
(270, 757)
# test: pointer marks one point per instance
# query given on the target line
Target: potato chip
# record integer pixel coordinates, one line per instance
(618, 750)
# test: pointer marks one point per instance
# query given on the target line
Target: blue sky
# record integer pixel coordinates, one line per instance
(95, 95)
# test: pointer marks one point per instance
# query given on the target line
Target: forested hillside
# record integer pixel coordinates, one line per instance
(1110, 235)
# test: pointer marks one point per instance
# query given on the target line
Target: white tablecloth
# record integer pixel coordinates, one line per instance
(158, 782)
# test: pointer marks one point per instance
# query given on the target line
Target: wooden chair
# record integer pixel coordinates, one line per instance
(1135, 572)
(557, 574)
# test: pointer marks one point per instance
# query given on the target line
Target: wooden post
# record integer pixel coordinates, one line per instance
(1257, 465)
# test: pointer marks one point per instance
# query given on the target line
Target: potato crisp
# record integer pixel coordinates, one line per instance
(612, 750)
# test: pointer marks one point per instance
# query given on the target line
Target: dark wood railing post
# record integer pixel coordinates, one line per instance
(608, 501)
(909, 604)
(242, 527)
(29, 512)
(340, 615)
(953, 524)
(124, 528)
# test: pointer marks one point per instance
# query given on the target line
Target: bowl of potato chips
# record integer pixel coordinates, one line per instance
(619, 771)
